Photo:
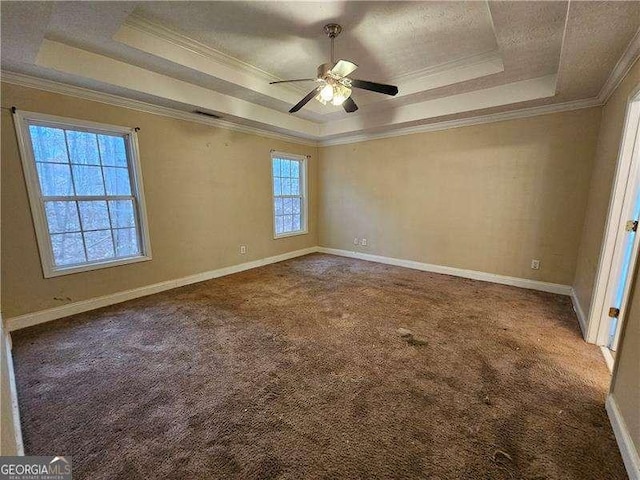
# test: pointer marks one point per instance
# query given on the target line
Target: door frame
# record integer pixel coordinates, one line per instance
(626, 183)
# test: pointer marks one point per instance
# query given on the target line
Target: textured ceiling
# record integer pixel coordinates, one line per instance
(286, 39)
(442, 55)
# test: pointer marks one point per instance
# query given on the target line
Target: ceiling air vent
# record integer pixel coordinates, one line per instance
(206, 114)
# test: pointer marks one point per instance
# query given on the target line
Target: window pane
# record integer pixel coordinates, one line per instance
(48, 144)
(94, 215)
(277, 186)
(88, 180)
(83, 147)
(295, 169)
(285, 169)
(296, 222)
(288, 223)
(99, 245)
(286, 186)
(112, 150)
(287, 205)
(279, 225)
(62, 217)
(276, 167)
(67, 249)
(55, 179)
(117, 181)
(279, 209)
(122, 213)
(126, 242)
(295, 186)
(296, 203)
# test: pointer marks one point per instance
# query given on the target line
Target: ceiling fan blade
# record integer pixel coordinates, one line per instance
(375, 87)
(296, 80)
(304, 101)
(349, 105)
(344, 68)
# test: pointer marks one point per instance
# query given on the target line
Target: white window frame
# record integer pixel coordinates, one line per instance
(304, 210)
(22, 121)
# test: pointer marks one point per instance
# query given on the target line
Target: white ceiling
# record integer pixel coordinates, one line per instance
(450, 60)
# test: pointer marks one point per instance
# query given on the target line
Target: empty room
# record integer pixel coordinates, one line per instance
(320, 240)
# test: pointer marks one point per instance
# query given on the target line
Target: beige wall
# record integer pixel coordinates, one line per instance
(613, 115)
(207, 189)
(625, 387)
(626, 381)
(488, 197)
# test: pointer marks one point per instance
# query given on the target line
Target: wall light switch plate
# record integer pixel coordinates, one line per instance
(243, 249)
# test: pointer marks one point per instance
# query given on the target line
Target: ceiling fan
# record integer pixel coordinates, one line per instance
(334, 86)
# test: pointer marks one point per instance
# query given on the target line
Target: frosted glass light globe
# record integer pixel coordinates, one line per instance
(327, 93)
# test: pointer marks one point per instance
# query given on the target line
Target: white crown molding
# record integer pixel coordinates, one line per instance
(163, 42)
(626, 61)
(466, 122)
(470, 61)
(160, 41)
(116, 100)
(110, 99)
(160, 31)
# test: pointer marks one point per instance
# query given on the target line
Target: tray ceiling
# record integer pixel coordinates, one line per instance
(449, 59)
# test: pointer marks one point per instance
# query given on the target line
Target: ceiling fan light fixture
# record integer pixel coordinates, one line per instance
(340, 94)
(327, 92)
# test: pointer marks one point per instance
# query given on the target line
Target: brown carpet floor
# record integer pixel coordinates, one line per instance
(298, 371)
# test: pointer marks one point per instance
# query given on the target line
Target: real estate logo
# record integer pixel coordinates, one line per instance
(35, 468)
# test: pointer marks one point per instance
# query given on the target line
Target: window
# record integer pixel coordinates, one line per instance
(85, 191)
(289, 194)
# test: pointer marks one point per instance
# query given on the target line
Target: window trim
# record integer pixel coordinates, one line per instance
(304, 230)
(22, 120)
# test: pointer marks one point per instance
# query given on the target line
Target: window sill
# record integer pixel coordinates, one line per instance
(94, 266)
(291, 234)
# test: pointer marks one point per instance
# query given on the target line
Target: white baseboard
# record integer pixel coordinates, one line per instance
(30, 319)
(35, 318)
(608, 357)
(13, 393)
(457, 272)
(582, 319)
(628, 450)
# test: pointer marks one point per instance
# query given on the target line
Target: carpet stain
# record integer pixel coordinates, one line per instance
(321, 367)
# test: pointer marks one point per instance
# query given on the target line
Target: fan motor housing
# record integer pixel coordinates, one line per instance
(324, 69)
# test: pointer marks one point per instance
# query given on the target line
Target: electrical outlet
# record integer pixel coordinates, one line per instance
(243, 249)
(355, 241)
(363, 242)
(535, 264)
